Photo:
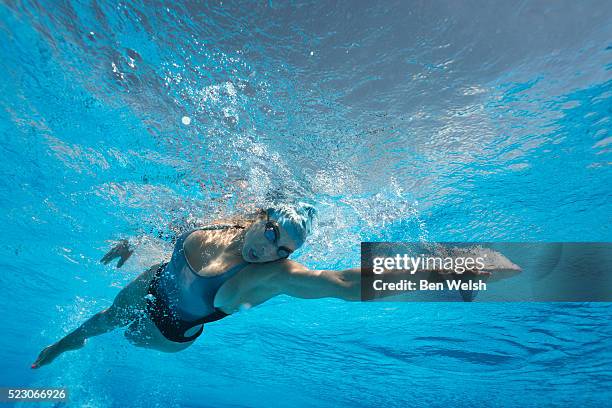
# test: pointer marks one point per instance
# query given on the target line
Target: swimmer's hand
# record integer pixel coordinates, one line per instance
(50, 353)
(496, 266)
(121, 250)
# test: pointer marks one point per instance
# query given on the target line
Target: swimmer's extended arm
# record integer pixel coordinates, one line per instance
(293, 279)
(298, 281)
(304, 283)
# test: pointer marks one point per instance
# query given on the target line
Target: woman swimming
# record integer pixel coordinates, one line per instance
(214, 272)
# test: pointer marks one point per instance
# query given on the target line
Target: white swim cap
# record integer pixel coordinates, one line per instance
(295, 219)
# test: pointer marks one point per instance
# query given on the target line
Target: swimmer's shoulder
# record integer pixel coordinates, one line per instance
(199, 237)
(255, 283)
(198, 241)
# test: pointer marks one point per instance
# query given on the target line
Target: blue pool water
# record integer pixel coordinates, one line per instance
(401, 121)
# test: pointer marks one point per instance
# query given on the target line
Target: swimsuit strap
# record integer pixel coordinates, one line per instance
(212, 227)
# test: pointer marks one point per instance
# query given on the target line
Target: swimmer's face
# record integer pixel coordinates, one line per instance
(267, 241)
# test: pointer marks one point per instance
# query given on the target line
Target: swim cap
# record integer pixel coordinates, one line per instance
(295, 219)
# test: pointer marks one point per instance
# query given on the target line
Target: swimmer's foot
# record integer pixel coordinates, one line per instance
(50, 353)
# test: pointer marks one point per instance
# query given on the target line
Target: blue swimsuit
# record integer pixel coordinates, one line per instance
(180, 301)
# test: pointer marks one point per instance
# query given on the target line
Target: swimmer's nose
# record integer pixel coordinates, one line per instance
(267, 251)
(259, 253)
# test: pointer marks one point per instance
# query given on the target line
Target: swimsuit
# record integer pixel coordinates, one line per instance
(179, 300)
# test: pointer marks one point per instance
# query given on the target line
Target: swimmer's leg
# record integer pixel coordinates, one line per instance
(127, 306)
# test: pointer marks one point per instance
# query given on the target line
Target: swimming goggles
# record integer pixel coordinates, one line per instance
(271, 233)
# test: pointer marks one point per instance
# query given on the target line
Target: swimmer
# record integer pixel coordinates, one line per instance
(214, 271)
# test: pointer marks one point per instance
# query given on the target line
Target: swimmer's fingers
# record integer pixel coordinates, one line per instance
(124, 257)
(479, 272)
(120, 250)
(110, 255)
